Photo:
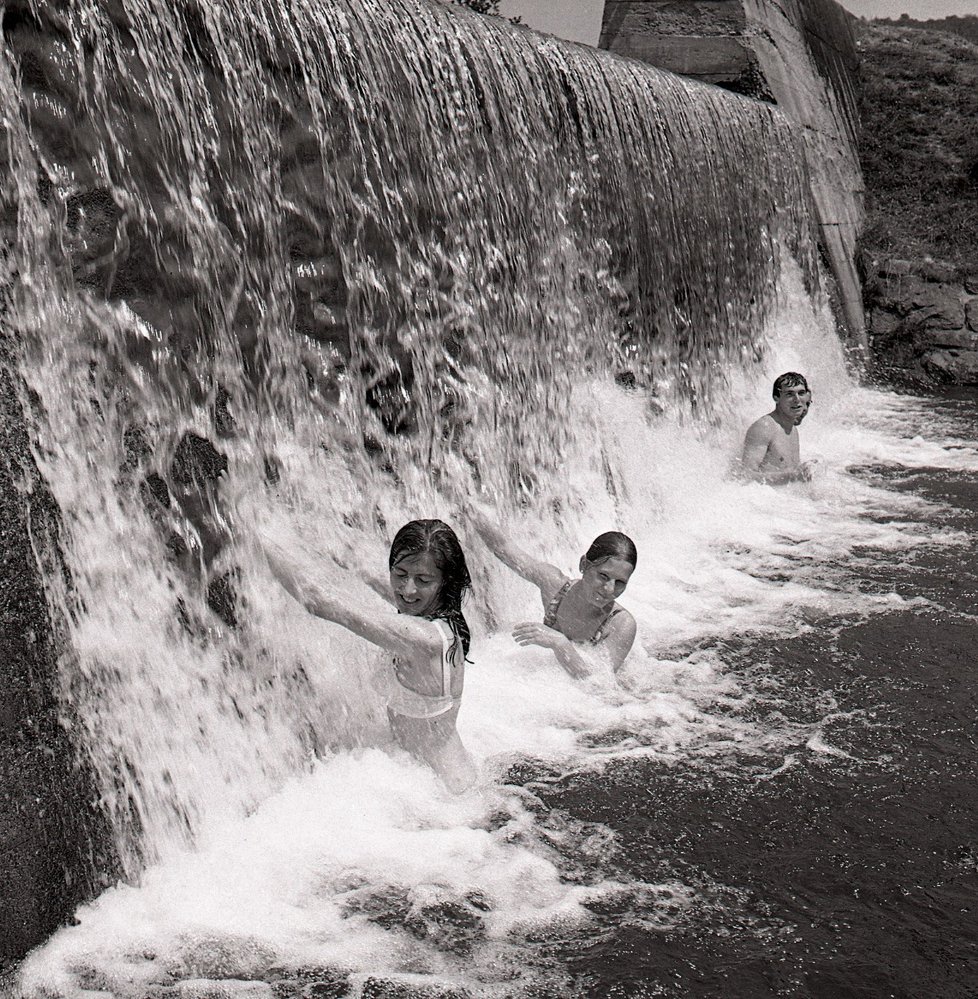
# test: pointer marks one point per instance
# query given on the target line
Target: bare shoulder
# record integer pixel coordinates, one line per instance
(550, 582)
(762, 428)
(623, 623)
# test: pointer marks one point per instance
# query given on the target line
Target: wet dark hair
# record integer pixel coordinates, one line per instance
(436, 538)
(789, 380)
(612, 544)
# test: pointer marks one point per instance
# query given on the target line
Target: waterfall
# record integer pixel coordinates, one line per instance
(344, 262)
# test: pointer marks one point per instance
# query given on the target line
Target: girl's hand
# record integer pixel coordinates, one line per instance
(478, 516)
(531, 633)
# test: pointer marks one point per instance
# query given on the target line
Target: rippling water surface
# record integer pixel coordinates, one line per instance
(348, 256)
(779, 802)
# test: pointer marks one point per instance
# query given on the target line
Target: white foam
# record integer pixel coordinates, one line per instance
(292, 855)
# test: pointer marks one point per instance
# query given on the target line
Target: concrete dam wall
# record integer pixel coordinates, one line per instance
(799, 54)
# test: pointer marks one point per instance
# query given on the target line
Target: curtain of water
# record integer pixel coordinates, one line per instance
(347, 259)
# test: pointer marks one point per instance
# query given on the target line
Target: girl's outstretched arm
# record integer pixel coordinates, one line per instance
(402, 635)
(548, 578)
(567, 653)
(380, 586)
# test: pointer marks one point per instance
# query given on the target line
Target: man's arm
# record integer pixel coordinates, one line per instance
(803, 473)
(756, 444)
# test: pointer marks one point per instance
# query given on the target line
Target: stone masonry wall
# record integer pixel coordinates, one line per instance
(923, 320)
(54, 850)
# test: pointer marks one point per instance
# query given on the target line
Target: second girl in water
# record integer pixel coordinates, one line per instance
(581, 618)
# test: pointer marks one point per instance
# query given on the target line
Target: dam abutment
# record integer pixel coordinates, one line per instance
(800, 55)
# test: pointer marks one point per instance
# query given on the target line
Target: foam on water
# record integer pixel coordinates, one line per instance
(355, 862)
(495, 226)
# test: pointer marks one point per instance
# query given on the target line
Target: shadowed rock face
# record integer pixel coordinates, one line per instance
(53, 849)
(923, 320)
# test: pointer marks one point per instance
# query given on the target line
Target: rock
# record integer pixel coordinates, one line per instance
(897, 294)
(937, 271)
(54, 840)
(92, 217)
(196, 461)
(410, 987)
(883, 323)
(928, 303)
(971, 284)
(929, 339)
(206, 988)
(895, 268)
(329, 315)
(938, 306)
(309, 982)
(222, 956)
(222, 597)
(954, 367)
(450, 920)
(971, 313)
(313, 275)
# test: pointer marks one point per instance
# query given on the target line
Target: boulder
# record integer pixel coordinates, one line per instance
(971, 313)
(406, 986)
(929, 339)
(937, 271)
(221, 956)
(937, 306)
(884, 323)
(952, 367)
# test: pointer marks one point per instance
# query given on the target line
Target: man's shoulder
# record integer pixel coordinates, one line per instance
(763, 426)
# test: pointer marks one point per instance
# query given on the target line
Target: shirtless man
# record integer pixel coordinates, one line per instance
(771, 452)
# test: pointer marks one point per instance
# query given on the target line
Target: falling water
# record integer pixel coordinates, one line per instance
(365, 250)
(341, 264)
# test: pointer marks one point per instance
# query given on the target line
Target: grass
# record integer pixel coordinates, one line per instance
(919, 143)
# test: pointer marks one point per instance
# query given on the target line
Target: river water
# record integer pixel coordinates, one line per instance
(327, 268)
(780, 803)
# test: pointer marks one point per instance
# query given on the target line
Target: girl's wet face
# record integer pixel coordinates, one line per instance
(605, 581)
(416, 581)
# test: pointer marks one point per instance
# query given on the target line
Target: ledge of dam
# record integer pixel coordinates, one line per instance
(798, 54)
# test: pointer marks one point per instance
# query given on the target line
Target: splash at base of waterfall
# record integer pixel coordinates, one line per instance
(363, 871)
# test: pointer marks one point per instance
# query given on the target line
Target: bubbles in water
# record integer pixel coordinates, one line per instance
(351, 269)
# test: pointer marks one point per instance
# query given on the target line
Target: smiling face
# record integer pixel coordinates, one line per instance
(792, 402)
(416, 581)
(604, 582)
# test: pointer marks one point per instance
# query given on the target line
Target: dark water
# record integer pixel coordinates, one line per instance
(273, 232)
(850, 873)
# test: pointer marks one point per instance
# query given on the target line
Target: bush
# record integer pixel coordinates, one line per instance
(919, 144)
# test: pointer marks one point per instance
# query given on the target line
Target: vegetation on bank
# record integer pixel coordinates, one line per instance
(919, 143)
(966, 26)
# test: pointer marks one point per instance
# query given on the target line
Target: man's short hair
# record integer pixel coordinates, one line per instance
(789, 380)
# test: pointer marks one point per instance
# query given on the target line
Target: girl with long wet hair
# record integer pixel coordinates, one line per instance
(581, 616)
(428, 637)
